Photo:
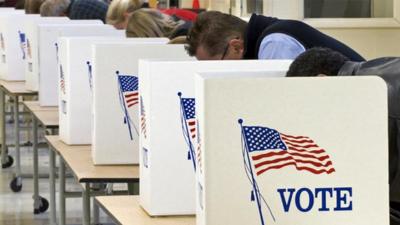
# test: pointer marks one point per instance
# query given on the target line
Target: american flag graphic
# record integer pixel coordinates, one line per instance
(189, 126)
(143, 118)
(129, 97)
(129, 88)
(189, 114)
(270, 149)
(62, 80)
(22, 40)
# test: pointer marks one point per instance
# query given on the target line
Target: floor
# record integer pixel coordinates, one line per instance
(17, 208)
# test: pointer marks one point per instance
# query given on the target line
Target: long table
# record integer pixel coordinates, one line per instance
(79, 159)
(47, 117)
(14, 89)
(125, 210)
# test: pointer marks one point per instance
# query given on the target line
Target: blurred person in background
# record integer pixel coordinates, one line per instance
(119, 11)
(10, 3)
(33, 6)
(153, 23)
(75, 9)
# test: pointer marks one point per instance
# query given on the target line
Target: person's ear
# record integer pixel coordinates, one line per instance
(237, 45)
(127, 15)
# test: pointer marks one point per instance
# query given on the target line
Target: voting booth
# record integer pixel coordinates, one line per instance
(10, 9)
(13, 45)
(48, 47)
(75, 81)
(32, 46)
(116, 98)
(168, 128)
(292, 151)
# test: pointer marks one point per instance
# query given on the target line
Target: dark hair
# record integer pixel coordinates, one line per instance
(317, 61)
(212, 31)
(20, 4)
(33, 6)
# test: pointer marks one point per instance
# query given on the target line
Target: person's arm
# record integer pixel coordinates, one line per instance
(280, 46)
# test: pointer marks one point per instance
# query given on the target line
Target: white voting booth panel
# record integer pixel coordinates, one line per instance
(75, 99)
(168, 133)
(4, 11)
(116, 118)
(48, 47)
(292, 151)
(32, 49)
(10, 9)
(32, 46)
(12, 45)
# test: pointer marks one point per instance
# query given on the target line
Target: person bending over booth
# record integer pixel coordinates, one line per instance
(153, 23)
(327, 62)
(75, 9)
(218, 36)
(119, 11)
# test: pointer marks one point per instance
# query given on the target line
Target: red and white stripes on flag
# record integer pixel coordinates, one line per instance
(198, 155)
(131, 98)
(301, 153)
(270, 150)
(143, 118)
(192, 127)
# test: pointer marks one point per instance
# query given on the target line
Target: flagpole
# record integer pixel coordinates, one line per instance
(254, 183)
(121, 95)
(56, 45)
(191, 151)
(90, 75)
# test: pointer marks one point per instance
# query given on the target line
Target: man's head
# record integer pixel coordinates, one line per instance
(54, 8)
(216, 36)
(317, 61)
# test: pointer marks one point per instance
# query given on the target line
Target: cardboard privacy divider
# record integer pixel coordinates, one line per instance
(75, 87)
(32, 46)
(116, 116)
(48, 47)
(5, 11)
(12, 45)
(292, 151)
(10, 9)
(168, 129)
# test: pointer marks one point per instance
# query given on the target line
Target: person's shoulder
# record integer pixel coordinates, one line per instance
(90, 2)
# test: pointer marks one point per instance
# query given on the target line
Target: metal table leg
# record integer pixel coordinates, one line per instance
(133, 188)
(96, 213)
(5, 159)
(86, 204)
(40, 204)
(52, 187)
(3, 127)
(36, 199)
(61, 175)
(16, 183)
